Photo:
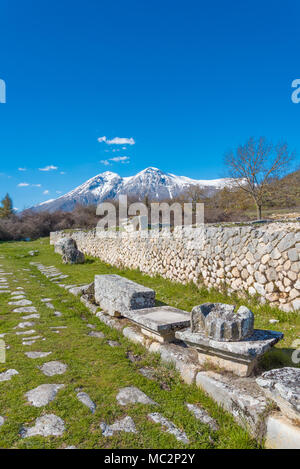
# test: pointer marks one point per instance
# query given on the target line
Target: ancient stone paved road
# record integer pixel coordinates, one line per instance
(38, 323)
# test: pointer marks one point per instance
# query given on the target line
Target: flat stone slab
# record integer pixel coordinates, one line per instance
(169, 427)
(35, 337)
(7, 375)
(30, 332)
(30, 342)
(27, 309)
(43, 394)
(35, 355)
(53, 368)
(161, 321)
(31, 316)
(47, 425)
(85, 399)
(202, 415)
(242, 397)
(124, 425)
(23, 325)
(17, 297)
(283, 386)
(97, 334)
(20, 303)
(133, 395)
(116, 294)
(239, 357)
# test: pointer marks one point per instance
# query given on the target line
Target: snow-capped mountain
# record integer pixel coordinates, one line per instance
(151, 182)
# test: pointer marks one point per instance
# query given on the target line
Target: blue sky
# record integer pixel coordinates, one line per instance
(186, 81)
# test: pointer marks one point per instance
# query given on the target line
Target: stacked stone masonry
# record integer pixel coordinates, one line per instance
(261, 260)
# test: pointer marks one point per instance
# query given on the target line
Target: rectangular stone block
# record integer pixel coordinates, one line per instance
(238, 357)
(159, 323)
(116, 294)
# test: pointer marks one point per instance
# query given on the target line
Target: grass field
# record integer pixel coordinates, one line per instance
(100, 370)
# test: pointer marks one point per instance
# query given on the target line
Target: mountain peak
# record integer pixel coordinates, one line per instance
(151, 182)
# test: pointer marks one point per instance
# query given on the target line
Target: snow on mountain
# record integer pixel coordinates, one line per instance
(151, 182)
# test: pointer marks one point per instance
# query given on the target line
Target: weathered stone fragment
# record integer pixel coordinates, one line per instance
(169, 427)
(283, 386)
(124, 425)
(47, 425)
(43, 394)
(116, 294)
(219, 321)
(53, 368)
(202, 415)
(133, 395)
(85, 399)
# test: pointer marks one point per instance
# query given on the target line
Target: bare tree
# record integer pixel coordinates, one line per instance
(257, 163)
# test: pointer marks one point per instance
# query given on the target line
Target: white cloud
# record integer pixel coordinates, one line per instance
(102, 139)
(58, 192)
(49, 168)
(121, 159)
(26, 184)
(62, 172)
(116, 159)
(117, 141)
(22, 169)
(46, 192)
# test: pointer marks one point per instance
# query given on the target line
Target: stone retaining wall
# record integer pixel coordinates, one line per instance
(262, 260)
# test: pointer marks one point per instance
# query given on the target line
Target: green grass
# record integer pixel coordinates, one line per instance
(100, 370)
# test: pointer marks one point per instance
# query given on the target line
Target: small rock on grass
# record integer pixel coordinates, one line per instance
(27, 309)
(20, 303)
(169, 427)
(148, 373)
(202, 415)
(97, 334)
(47, 425)
(35, 355)
(124, 425)
(113, 343)
(133, 395)
(30, 332)
(53, 368)
(7, 375)
(23, 325)
(1, 421)
(31, 316)
(85, 399)
(43, 394)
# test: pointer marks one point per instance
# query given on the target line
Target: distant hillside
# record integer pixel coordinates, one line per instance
(285, 193)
